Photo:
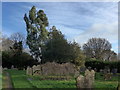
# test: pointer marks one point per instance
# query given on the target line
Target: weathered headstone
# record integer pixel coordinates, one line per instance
(92, 76)
(107, 76)
(1, 69)
(37, 70)
(87, 80)
(12, 67)
(89, 77)
(5, 68)
(77, 73)
(107, 73)
(29, 71)
(34, 68)
(80, 81)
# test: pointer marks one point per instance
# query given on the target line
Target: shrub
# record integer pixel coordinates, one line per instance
(20, 62)
(98, 64)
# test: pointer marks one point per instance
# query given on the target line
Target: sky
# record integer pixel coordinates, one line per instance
(78, 21)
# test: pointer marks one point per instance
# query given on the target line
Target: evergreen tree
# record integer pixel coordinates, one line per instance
(37, 34)
(56, 47)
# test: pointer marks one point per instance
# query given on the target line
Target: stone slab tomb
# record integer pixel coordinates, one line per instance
(53, 68)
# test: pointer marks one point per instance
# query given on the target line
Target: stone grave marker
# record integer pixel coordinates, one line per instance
(87, 80)
(29, 71)
(1, 69)
(80, 81)
(107, 74)
(12, 67)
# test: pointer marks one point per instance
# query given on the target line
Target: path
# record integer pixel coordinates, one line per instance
(7, 82)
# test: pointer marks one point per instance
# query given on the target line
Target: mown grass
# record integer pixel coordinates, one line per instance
(20, 80)
(0, 80)
(3, 79)
(36, 81)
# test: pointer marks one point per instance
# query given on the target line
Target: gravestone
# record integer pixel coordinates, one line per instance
(34, 68)
(77, 73)
(12, 67)
(87, 80)
(92, 76)
(95, 69)
(37, 70)
(80, 81)
(107, 74)
(5, 68)
(1, 69)
(89, 77)
(29, 71)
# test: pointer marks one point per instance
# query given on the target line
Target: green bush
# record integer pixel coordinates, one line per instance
(99, 64)
(20, 62)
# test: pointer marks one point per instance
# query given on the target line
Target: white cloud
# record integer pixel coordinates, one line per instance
(108, 31)
(79, 21)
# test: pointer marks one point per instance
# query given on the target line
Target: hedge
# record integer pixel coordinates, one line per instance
(98, 64)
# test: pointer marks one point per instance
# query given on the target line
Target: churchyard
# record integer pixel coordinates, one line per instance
(45, 57)
(24, 79)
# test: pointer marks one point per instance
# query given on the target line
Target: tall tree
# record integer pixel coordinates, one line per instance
(95, 47)
(56, 47)
(37, 34)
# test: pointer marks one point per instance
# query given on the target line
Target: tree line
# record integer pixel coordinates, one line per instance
(48, 45)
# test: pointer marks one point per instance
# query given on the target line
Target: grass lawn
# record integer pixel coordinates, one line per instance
(20, 80)
(0, 80)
